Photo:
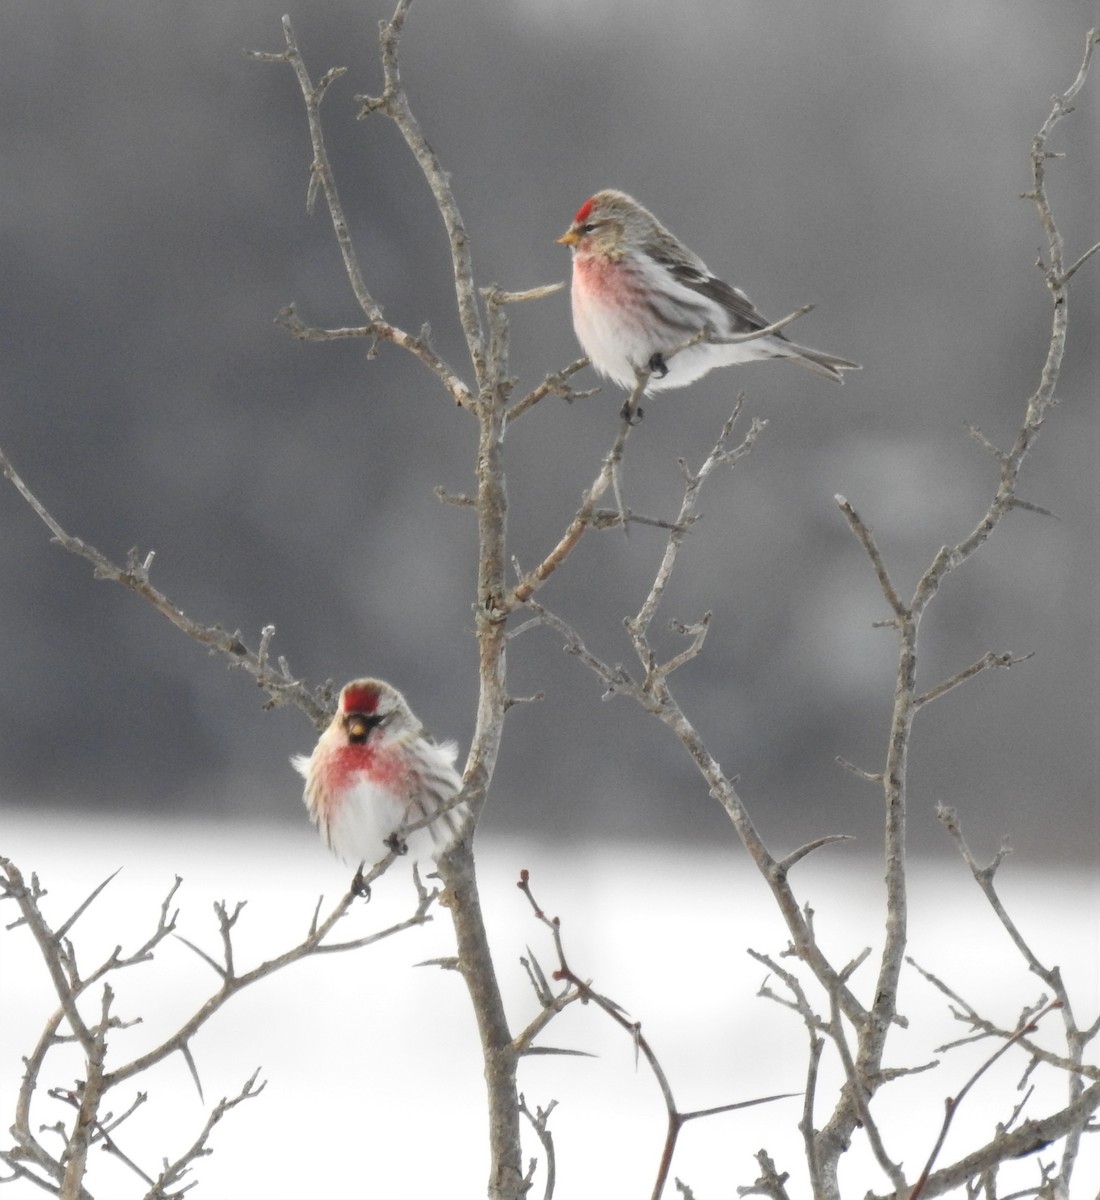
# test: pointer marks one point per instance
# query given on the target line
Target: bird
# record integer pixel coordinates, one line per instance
(639, 294)
(374, 772)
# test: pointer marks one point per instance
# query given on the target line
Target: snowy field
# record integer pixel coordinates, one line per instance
(374, 1083)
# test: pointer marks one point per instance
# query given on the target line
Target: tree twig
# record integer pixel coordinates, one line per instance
(676, 1119)
(280, 686)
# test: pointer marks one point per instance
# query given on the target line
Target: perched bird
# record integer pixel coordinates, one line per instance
(373, 772)
(639, 292)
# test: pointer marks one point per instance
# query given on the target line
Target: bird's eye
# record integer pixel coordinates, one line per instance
(589, 228)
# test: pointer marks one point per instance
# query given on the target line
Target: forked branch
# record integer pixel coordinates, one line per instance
(63, 1173)
(676, 1119)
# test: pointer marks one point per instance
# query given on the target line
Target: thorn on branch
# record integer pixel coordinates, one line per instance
(796, 856)
(985, 443)
(83, 906)
(266, 56)
(446, 963)
(859, 772)
(460, 501)
(188, 1058)
(1028, 506)
(557, 1051)
(217, 967)
(1067, 275)
(314, 187)
(537, 978)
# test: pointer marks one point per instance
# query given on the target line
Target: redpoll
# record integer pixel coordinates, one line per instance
(374, 772)
(639, 293)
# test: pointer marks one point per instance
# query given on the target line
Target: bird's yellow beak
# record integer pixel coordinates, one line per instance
(570, 237)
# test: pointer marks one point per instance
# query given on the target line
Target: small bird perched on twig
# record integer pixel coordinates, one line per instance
(374, 772)
(639, 294)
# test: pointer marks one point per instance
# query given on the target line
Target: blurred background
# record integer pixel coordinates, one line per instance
(866, 158)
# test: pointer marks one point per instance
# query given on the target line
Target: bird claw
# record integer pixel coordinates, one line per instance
(359, 886)
(631, 415)
(657, 365)
(397, 844)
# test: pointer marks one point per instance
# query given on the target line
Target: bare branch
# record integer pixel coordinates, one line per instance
(1068, 274)
(322, 178)
(533, 580)
(523, 1042)
(394, 103)
(965, 1013)
(867, 541)
(952, 1104)
(16, 889)
(174, 1172)
(584, 989)
(280, 686)
(721, 454)
(770, 1182)
(1043, 398)
(539, 1120)
(983, 876)
(806, 1124)
(554, 384)
(985, 663)
(381, 330)
(859, 1089)
(500, 296)
(321, 170)
(315, 943)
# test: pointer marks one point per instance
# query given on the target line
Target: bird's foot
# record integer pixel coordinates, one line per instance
(657, 365)
(359, 885)
(631, 415)
(397, 844)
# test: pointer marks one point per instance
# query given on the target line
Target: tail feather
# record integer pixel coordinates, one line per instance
(817, 361)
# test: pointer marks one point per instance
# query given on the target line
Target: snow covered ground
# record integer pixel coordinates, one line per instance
(374, 1085)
